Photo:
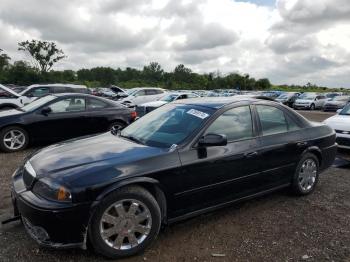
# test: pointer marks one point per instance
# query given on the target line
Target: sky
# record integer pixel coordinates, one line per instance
(287, 41)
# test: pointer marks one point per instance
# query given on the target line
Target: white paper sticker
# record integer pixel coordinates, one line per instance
(197, 113)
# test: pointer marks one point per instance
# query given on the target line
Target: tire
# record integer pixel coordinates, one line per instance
(13, 132)
(113, 247)
(312, 107)
(115, 126)
(303, 182)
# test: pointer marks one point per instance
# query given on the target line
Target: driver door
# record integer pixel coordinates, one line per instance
(67, 119)
(219, 174)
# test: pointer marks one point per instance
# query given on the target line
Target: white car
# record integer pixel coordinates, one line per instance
(150, 106)
(309, 101)
(341, 124)
(9, 99)
(140, 95)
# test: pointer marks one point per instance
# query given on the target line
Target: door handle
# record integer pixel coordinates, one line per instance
(251, 154)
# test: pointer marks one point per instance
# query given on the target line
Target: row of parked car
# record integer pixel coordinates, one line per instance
(33, 120)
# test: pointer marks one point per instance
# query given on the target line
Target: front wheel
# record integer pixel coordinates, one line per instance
(312, 107)
(306, 175)
(13, 139)
(125, 222)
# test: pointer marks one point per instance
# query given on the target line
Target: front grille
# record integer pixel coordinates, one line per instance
(343, 141)
(342, 131)
(28, 179)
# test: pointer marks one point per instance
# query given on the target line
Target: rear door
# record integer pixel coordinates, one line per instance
(280, 145)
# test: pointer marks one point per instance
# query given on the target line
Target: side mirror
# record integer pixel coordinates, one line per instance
(212, 140)
(339, 110)
(46, 110)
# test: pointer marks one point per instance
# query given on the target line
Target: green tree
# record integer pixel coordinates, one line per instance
(182, 74)
(4, 60)
(45, 54)
(153, 72)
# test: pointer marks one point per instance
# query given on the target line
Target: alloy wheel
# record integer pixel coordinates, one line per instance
(307, 175)
(14, 139)
(125, 224)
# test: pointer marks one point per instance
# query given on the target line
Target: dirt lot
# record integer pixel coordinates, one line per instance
(277, 227)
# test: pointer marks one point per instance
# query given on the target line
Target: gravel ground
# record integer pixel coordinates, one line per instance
(277, 227)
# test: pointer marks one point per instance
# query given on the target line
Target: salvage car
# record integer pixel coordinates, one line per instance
(341, 124)
(288, 98)
(335, 103)
(309, 101)
(140, 95)
(9, 98)
(150, 106)
(116, 189)
(59, 117)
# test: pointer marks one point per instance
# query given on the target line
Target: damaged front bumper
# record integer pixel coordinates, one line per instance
(51, 224)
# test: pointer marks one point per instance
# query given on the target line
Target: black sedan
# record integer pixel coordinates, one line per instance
(115, 190)
(59, 117)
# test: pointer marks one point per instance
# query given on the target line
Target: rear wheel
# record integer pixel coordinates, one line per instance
(125, 223)
(115, 126)
(13, 139)
(306, 175)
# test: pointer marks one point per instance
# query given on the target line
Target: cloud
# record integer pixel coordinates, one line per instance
(293, 41)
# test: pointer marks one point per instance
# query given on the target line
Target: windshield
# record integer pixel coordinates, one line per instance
(307, 96)
(346, 110)
(130, 92)
(38, 103)
(340, 98)
(167, 126)
(169, 98)
(284, 96)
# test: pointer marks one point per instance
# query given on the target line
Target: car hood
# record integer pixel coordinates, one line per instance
(9, 90)
(10, 112)
(91, 150)
(335, 103)
(339, 122)
(155, 103)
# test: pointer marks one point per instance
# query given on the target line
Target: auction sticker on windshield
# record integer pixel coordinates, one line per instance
(197, 113)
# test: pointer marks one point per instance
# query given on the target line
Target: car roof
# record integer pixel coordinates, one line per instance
(218, 102)
(64, 85)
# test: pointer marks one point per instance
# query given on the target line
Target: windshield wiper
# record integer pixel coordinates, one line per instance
(132, 138)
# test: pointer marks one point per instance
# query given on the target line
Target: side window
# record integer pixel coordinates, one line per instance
(68, 105)
(60, 89)
(140, 93)
(235, 123)
(292, 126)
(272, 120)
(96, 104)
(39, 91)
(151, 92)
(159, 91)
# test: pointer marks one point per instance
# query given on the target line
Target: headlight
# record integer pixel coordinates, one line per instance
(51, 191)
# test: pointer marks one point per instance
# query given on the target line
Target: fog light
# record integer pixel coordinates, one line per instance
(35, 232)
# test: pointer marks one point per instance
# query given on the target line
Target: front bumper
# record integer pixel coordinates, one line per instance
(50, 224)
(299, 106)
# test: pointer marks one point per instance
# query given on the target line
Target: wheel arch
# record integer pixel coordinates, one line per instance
(316, 151)
(150, 184)
(8, 105)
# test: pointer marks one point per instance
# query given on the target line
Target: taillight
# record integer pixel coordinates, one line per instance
(133, 115)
